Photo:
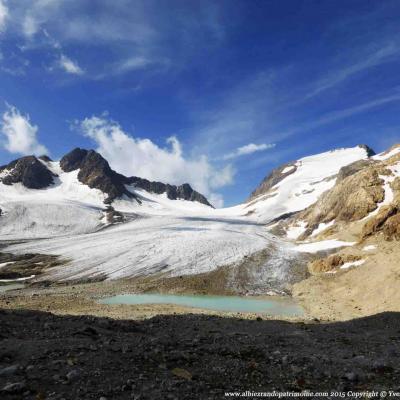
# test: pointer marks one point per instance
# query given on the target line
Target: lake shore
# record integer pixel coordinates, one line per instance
(83, 299)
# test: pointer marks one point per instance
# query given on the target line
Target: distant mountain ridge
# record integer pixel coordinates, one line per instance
(94, 171)
(281, 172)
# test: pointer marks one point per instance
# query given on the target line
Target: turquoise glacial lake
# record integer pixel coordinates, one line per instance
(268, 306)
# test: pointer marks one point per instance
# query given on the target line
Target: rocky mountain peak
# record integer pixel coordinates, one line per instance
(29, 171)
(369, 150)
(95, 172)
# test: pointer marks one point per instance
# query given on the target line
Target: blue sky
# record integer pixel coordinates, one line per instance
(216, 93)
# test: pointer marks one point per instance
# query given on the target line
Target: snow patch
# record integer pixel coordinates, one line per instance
(386, 155)
(352, 264)
(314, 247)
(17, 279)
(288, 169)
(294, 232)
(321, 227)
(369, 248)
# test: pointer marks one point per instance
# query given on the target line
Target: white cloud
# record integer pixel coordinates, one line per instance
(142, 157)
(20, 134)
(69, 66)
(132, 64)
(248, 149)
(385, 53)
(3, 15)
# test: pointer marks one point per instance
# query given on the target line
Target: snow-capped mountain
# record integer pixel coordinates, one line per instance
(41, 198)
(109, 226)
(297, 185)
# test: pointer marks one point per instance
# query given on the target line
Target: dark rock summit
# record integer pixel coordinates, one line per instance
(370, 152)
(95, 172)
(29, 171)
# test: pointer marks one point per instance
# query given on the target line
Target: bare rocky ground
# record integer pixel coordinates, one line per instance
(44, 356)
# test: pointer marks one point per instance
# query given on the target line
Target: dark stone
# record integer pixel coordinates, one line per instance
(29, 171)
(370, 152)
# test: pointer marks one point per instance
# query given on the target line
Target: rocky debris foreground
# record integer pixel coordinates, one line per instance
(43, 356)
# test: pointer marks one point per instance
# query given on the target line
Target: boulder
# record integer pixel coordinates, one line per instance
(391, 228)
(376, 223)
(331, 263)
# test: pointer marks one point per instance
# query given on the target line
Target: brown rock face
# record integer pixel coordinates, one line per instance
(376, 223)
(331, 263)
(391, 228)
(351, 199)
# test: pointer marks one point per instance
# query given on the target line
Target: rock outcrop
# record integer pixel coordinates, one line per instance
(29, 171)
(331, 263)
(183, 192)
(352, 198)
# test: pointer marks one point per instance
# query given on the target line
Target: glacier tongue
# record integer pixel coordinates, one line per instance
(158, 244)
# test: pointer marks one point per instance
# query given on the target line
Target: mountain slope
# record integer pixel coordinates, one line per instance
(297, 185)
(362, 208)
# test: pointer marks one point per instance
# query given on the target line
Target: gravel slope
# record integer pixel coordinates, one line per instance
(43, 356)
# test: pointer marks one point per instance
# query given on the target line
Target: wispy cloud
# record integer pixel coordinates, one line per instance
(366, 59)
(20, 134)
(69, 66)
(3, 15)
(141, 36)
(144, 158)
(248, 149)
